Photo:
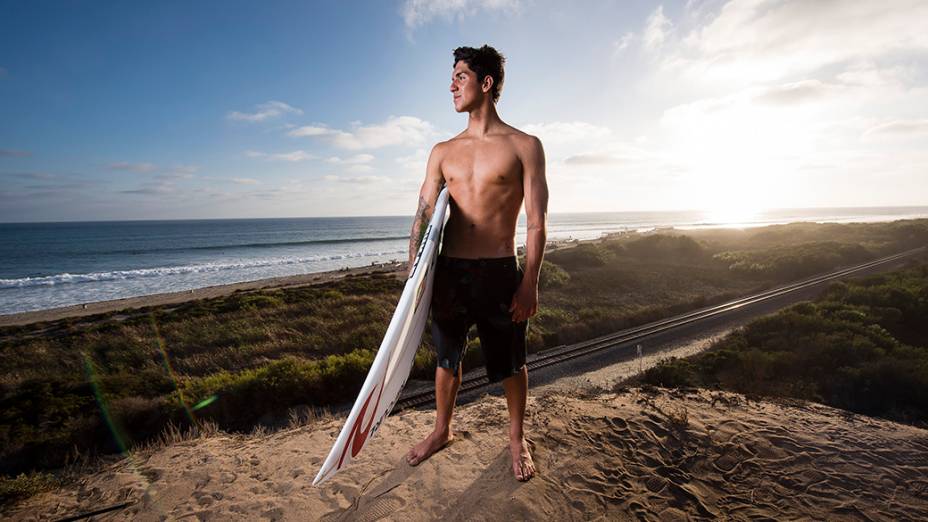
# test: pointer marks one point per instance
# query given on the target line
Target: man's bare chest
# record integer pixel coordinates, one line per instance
(487, 164)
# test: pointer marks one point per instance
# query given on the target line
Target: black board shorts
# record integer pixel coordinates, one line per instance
(478, 291)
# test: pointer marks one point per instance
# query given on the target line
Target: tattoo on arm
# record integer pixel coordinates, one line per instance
(419, 225)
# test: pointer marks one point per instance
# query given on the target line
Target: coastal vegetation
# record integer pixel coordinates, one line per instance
(861, 346)
(107, 383)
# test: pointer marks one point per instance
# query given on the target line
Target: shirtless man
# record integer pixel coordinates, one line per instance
(489, 168)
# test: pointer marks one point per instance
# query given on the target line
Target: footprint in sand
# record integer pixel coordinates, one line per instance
(377, 509)
(273, 514)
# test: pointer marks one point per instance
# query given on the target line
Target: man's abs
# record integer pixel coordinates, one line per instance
(485, 181)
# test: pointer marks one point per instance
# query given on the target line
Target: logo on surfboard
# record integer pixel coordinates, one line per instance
(359, 433)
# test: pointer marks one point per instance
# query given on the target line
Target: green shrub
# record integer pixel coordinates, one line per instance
(25, 485)
(671, 248)
(841, 350)
(583, 256)
(671, 373)
(552, 276)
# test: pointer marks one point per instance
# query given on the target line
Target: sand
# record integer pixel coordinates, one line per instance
(645, 454)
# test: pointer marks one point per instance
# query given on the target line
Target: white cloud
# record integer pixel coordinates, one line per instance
(622, 43)
(869, 74)
(245, 181)
(594, 159)
(153, 189)
(420, 12)
(396, 130)
(899, 127)
(178, 172)
(359, 169)
(797, 92)
(572, 147)
(353, 160)
(310, 130)
(360, 180)
(562, 132)
(753, 40)
(769, 101)
(265, 111)
(656, 29)
(295, 156)
(416, 162)
(167, 173)
(183, 169)
(133, 167)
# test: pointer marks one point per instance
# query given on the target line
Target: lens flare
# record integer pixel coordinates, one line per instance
(133, 464)
(94, 381)
(166, 362)
(205, 402)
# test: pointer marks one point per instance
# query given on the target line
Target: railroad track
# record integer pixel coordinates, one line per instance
(559, 354)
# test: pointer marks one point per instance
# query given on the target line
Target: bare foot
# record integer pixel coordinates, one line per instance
(522, 464)
(429, 445)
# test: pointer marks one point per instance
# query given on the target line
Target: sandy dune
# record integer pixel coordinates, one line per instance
(638, 454)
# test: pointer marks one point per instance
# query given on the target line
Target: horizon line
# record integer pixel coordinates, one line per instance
(924, 206)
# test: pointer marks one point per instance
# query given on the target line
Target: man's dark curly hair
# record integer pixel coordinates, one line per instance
(485, 61)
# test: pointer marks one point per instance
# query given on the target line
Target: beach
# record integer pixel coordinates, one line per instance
(169, 298)
(397, 269)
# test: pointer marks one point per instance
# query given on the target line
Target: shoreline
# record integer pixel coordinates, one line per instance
(172, 298)
(281, 282)
(392, 268)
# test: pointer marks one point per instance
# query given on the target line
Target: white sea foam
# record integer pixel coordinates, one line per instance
(124, 275)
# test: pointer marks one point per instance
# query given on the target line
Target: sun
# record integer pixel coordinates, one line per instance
(733, 215)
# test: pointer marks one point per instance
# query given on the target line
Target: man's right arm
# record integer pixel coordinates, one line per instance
(428, 195)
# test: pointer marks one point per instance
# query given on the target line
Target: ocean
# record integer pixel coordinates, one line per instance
(48, 265)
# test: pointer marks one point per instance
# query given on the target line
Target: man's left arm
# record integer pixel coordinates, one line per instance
(535, 189)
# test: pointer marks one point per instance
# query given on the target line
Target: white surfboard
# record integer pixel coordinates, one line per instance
(394, 359)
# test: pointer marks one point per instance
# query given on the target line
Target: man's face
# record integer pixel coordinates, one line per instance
(465, 89)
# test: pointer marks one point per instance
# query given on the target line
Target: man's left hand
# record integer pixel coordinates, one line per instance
(524, 302)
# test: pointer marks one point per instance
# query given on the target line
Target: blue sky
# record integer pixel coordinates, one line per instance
(171, 110)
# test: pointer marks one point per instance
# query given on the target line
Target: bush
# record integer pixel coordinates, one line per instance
(552, 276)
(587, 255)
(25, 485)
(841, 350)
(670, 248)
(795, 261)
(671, 373)
(247, 396)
